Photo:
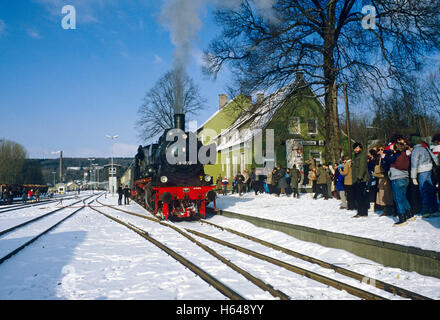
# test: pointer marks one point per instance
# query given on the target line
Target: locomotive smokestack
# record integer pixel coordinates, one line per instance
(179, 121)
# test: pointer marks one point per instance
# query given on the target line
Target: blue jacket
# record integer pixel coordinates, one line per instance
(340, 181)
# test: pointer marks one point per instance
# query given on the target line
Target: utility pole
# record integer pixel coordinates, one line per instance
(90, 171)
(61, 164)
(347, 119)
(112, 178)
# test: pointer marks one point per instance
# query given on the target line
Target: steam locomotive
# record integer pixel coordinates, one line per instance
(168, 177)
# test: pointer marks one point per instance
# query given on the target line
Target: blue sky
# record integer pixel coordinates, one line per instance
(66, 89)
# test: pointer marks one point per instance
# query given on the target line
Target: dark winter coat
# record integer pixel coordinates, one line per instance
(275, 178)
(322, 175)
(295, 178)
(360, 168)
(282, 182)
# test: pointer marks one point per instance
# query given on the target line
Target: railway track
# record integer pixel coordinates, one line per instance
(340, 285)
(33, 238)
(395, 290)
(211, 280)
(33, 204)
(220, 286)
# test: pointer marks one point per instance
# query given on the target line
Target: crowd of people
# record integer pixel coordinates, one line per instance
(398, 179)
(7, 195)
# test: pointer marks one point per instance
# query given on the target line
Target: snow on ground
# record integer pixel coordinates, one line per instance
(91, 257)
(326, 215)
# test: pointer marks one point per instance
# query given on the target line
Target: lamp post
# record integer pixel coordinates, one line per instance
(112, 182)
(90, 170)
(61, 163)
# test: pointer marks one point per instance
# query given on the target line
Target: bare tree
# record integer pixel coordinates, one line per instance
(329, 41)
(174, 91)
(433, 87)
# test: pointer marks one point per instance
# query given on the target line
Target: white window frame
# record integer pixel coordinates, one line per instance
(299, 125)
(316, 126)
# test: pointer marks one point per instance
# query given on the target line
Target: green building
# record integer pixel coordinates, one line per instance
(293, 116)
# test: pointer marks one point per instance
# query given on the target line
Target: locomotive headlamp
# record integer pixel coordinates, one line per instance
(207, 178)
(163, 179)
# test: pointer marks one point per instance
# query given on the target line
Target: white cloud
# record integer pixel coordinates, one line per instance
(32, 32)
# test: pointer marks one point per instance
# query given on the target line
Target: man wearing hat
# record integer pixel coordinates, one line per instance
(360, 177)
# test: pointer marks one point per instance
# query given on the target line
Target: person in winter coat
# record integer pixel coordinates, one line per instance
(218, 183)
(24, 196)
(422, 160)
(295, 178)
(398, 162)
(235, 185)
(225, 183)
(240, 182)
(282, 182)
(30, 194)
(322, 177)
(126, 195)
(269, 181)
(247, 181)
(384, 196)
(120, 194)
(255, 182)
(360, 177)
(11, 196)
(347, 172)
(340, 186)
(37, 195)
(312, 178)
(274, 181)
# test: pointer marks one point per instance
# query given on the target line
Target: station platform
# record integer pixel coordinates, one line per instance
(412, 247)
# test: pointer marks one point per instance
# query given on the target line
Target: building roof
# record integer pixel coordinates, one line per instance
(257, 115)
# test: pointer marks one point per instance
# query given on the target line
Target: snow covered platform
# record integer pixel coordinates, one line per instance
(413, 247)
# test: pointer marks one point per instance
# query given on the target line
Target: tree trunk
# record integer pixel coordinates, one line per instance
(332, 132)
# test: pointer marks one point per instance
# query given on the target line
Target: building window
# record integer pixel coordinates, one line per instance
(294, 126)
(316, 155)
(312, 126)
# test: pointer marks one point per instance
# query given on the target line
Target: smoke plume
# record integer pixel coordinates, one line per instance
(181, 19)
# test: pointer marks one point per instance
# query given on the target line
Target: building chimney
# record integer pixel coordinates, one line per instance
(222, 100)
(260, 98)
